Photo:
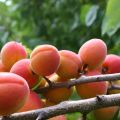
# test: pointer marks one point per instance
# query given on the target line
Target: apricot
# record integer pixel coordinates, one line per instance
(60, 117)
(2, 67)
(89, 90)
(93, 53)
(45, 60)
(57, 95)
(111, 64)
(70, 64)
(22, 68)
(33, 102)
(12, 52)
(14, 92)
(106, 113)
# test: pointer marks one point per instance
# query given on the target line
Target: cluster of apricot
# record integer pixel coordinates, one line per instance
(20, 74)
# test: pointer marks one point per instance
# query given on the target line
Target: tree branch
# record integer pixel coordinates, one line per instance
(83, 106)
(81, 80)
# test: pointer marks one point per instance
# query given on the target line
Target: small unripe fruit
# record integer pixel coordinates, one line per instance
(89, 90)
(93, 53)
(11, 53)
(33, 102)
(23, 69)
(45, 60)
(107, 113)
(70, 64)
(111, 64)
(14, 92)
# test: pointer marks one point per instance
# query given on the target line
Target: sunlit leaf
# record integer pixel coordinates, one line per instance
(91, 15)
(111, 22)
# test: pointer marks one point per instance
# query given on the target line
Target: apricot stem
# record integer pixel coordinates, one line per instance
(84, 116)
(48, 81)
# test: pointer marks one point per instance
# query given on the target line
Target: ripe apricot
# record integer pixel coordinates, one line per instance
(33, 102)
(106, 113)
(45, 60)
(23, 69)
(14, 92)
(57, 95)
(70, 64)
(111, 64)
(89, 90)
(2, 67)
(12, 52)
(93, 53)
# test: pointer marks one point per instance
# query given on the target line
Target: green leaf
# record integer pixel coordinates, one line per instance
(90, 116)
(111, 21)
(83, 12)
(73, 116)
(91, 15)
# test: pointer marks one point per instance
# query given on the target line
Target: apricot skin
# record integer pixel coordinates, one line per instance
(93, 53)
(45, 60)
(2, 67)
(23, 69)
(107, 113)
(111, 64)
(70, 64)
(12, 52)
(58, 95)
(14, 92)
(89, 90)
(33, 102)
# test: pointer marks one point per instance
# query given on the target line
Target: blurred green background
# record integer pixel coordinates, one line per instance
(67, 24)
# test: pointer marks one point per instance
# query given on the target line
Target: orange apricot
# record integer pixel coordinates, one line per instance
(23, 69)
(12, 52)
(89, 90)
(70, 64)
(93, 53)
(111, 64)
(57, 95)
(45, 60)
(106, 113)
(2, 67)
(14, 92)
(33, 102)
